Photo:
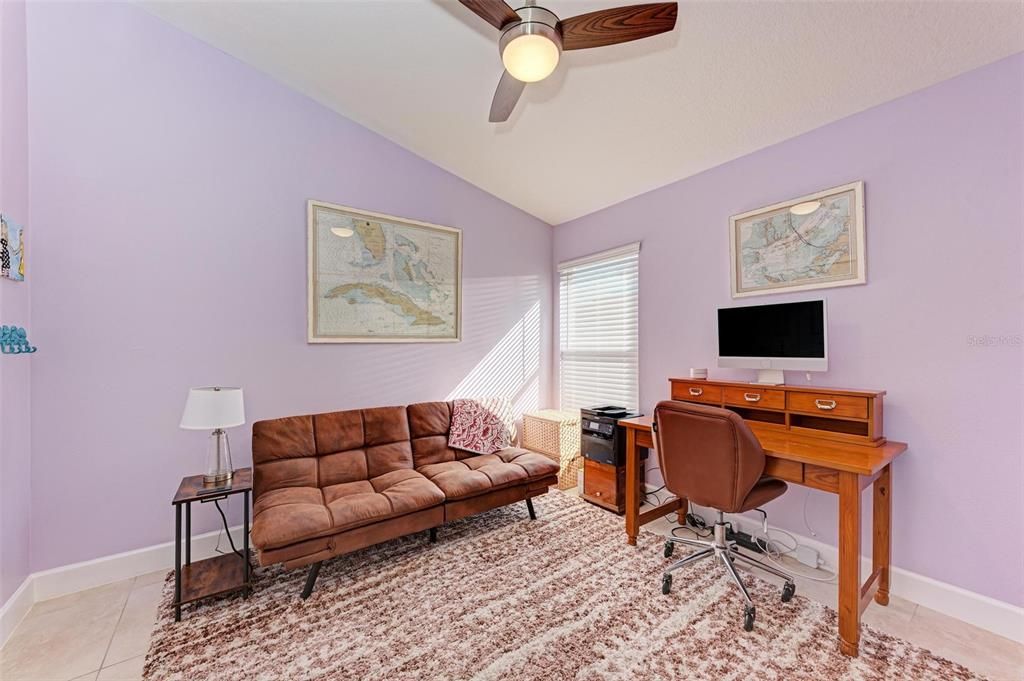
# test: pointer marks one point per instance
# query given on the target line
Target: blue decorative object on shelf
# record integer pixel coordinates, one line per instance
(14, 341)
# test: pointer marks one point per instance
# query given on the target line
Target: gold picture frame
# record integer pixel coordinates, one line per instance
(377, 278)
(780, 249)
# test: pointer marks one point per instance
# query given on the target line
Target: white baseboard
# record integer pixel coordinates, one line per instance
(15, 609)
(982, 611)
(99, 571)
(67, 579)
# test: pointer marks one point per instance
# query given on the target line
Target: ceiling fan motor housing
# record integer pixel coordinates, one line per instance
(533, 21)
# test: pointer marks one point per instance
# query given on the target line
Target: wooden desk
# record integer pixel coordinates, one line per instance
(837, 467)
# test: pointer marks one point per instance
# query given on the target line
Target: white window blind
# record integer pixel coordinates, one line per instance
(598, 328)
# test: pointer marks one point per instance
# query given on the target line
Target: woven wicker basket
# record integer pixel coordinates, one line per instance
(555, 434)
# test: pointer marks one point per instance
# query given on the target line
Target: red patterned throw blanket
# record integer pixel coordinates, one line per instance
(482, 426)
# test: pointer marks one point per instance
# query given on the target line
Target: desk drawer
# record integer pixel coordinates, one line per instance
(603, 481)
(697, 391)
(821, 478)
(758, 398)
(827, 404)
(790, 471)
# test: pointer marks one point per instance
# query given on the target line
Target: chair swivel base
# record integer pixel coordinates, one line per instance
(726, 552)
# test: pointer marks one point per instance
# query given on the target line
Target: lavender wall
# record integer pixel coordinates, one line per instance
(169, 188)
(15, 371)
(943, 174)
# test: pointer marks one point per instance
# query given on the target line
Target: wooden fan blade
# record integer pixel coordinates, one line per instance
(494, 12)
(505, 98)
(618, 25)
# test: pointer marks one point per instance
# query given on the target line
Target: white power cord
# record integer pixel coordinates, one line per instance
(785, 551)
(765, 543)
(810, 529)
(770, 548)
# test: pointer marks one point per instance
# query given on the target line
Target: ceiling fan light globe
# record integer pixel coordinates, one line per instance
(530, 57)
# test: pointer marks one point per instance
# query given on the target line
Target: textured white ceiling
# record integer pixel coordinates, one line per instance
(612, 122)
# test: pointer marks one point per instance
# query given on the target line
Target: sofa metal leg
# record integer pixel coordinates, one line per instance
(314, 570)
(433, 535)
(529, 507)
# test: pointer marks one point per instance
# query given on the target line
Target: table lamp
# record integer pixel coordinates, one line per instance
(215, 409)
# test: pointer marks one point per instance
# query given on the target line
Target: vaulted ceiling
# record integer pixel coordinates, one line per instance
(612, 122)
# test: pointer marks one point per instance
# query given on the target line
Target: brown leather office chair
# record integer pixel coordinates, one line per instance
(710, 457)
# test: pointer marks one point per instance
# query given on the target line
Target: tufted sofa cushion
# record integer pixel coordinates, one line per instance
(288, 514)
(429, 423)
(292, 514)
(328, 449)
(352, 504)
(484, 473)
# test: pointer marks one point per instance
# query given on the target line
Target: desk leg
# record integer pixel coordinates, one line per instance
(632, 487)
(849, 563)
(881, 550)
(684, 508)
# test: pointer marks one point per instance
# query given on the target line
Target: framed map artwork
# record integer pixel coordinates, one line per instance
(815, 241)
(380, 279)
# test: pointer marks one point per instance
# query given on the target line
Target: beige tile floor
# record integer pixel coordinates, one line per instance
(102, 634)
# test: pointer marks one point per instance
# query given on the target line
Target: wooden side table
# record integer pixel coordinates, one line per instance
(218, 575)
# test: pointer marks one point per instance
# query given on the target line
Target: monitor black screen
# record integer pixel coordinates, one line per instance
(783, 330)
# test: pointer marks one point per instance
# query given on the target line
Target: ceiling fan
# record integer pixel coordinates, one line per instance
(533, 38)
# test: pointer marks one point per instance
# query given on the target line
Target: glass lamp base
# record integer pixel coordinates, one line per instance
(218, 466)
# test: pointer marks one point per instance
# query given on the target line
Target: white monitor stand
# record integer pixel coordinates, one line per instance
(770, 377)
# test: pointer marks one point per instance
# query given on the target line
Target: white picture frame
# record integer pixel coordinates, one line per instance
(315, 331)
(752, 274)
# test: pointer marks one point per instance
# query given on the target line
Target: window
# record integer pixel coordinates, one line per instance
(598, 327)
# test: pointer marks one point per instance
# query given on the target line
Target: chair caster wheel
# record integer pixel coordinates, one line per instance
(748, 618)
(788, 589)
(669, 547)
(666, 584)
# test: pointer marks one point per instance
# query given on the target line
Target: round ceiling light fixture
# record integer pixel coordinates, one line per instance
(805, 208)
(341, 231)
(530, 48)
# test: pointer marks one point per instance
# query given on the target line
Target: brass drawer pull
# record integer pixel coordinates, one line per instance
(826, 405)
(696, 392)
(751, 397)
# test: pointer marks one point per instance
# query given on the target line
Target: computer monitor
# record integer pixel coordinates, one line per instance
(771, 338)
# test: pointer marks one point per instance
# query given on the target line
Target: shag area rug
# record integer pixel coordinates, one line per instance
(503, 597)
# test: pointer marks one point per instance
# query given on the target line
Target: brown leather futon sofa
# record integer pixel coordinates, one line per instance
(329, 484)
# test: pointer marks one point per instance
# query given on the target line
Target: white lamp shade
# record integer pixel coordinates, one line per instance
(212, 408)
